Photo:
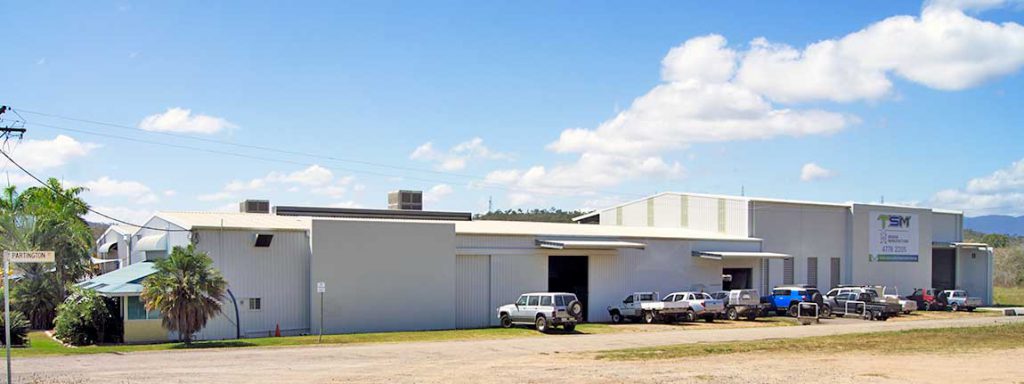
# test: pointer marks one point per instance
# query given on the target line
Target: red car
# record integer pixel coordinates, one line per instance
(928, 299)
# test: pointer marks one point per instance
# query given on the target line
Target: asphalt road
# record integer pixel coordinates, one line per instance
(509, 360)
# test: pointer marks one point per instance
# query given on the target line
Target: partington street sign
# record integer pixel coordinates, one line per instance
(17, 257)
(28, 256)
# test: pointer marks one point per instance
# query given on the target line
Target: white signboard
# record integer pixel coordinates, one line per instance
(29, 256)
(893, 237)
(321, 287)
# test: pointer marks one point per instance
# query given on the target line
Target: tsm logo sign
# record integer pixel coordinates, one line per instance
(894, 221)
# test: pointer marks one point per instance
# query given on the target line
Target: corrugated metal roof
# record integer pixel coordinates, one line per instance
(236, 220)
(126, 281)
(231, 220)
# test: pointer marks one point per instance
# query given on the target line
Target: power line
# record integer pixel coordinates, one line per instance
(81, 204)
(478, 182)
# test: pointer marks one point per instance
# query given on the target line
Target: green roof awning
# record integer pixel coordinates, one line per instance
(126, 281)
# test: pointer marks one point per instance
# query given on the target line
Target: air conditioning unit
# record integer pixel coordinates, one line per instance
(254, 206)
(405, 200)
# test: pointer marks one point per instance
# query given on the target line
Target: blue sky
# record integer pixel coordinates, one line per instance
(536, 105)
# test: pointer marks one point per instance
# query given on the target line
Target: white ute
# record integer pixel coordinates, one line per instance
(701, 305)
(645, 306)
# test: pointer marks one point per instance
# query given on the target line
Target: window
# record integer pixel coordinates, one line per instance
(545, 301)
(646, 297)
(781, 292)
(137, 310)
(835, 271)
(263, 240)
(534, 300)
(812, 271)
(560, 301)
(787, 271)
(255, 304)
(522, 300)
(628, 300)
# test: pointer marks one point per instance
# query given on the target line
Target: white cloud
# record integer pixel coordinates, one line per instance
(345, 204)
(812, 171)
(106, 187)
(1001, 192)
(314, 179)
(456, 158)
(713, 93)
(182, 120)
(437, 193)
(942, 48)
(47, 154)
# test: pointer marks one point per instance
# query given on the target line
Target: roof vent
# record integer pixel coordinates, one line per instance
(405, 200)
(254, 206)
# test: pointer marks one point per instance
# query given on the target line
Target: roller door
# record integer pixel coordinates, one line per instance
(472, 291)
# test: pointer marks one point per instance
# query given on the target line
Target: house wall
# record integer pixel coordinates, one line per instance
(177, 238)
(144, 331)
(801, 230)
(904, 276)
(674, 210)
(974, 271)
(278, 275)
(383, 276)
(947, 227)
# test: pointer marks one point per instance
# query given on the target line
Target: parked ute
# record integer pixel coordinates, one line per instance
(957, 299)
(543, 310)
(928, 299)
(740, 303)
(906, 305)
(701, 305)
(645, 306)
(866, 304)
(787, 299)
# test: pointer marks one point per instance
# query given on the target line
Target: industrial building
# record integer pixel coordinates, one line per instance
(395, 269)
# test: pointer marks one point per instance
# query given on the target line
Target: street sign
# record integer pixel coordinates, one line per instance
(28, 256)
(321, 287)
(17, 257)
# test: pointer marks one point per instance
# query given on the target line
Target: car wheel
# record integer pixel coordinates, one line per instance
(825, 312)
(732, 314)
(970, 309)
(689, 316)
(868, 315)
(648, 317)
(954, 307)
(616, 317)
(793, 311)
(906, 312)
(506, 322)
(709, 319)
(575, 309)
(542, 324)
(751, 316)
(927, 306)
(570, 328)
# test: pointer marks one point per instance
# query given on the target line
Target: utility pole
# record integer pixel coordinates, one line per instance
(490, 204)
(11, 127)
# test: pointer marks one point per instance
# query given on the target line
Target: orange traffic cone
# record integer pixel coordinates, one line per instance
(277, 330)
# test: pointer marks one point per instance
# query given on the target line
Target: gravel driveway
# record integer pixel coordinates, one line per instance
(534, 359)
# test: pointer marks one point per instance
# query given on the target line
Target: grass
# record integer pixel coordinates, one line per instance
(1008, 296)
(920, 340)
(43, 345)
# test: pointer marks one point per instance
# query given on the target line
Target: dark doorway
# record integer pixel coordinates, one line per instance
(737, 278)
(943, 269)
(569, 274)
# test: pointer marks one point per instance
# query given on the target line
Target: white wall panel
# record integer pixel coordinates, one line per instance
(946, 227)
(278, 275)
(472, 291)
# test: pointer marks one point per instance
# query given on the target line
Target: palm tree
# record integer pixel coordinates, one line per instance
(186, 289)
(36, 294)
(59, 226)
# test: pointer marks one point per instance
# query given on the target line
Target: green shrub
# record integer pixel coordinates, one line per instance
(86, 318)
(19, 329)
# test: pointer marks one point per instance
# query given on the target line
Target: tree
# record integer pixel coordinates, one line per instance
(186, 289)
(86, 318)
(59, 226)
(996, 240)
(35, 294)
(550, 215)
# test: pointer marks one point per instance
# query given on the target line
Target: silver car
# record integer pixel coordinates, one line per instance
(543, 310)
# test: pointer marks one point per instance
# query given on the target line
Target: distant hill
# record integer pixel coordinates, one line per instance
(996, 224)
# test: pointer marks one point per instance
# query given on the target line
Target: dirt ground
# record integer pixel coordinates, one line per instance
(542, 359)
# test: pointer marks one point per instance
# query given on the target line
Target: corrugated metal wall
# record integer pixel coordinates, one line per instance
(472, 291)
(278, 275)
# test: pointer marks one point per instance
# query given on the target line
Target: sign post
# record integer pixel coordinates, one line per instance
(16, 257)
(321, 287)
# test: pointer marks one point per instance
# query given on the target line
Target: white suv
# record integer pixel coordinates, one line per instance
(543, 310)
